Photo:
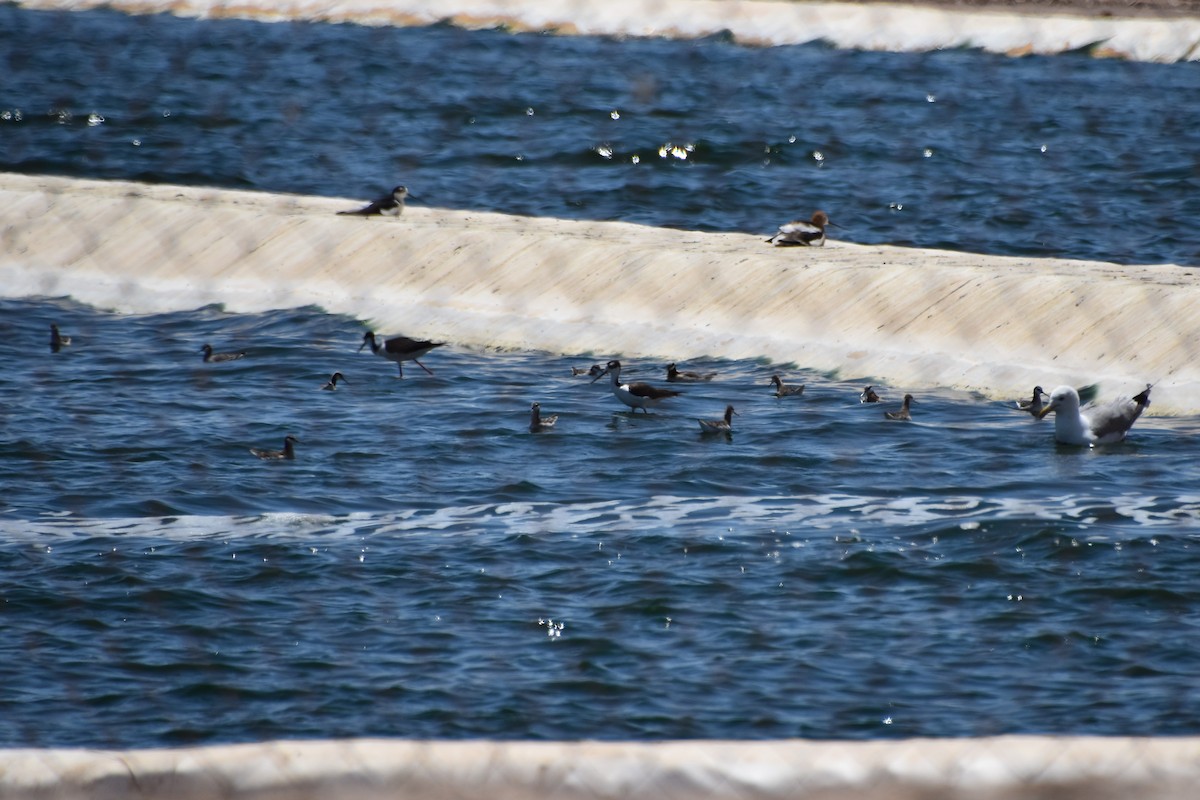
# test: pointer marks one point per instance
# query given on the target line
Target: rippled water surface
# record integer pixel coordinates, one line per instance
(1058, 156)
(822, 573)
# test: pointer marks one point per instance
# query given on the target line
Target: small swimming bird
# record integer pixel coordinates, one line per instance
(803, 233)
(719, 425)
(400, 349)
(211, 357)
(675, 376)
(634, 395)
(57, 340)
(868, 395)
(288, 451)
(390, 206)
(1093, 424)
(904, 412)
(1034, 404)
(333, 380)
(785, 391)
(539, 423)
(593, 370)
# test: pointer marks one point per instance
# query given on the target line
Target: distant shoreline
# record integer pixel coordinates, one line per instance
(1115, 9)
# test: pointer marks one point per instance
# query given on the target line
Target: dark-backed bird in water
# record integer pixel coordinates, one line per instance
(539, 423)
(333, 382)
(399, 349)
(57, 340)
(1034, 404)
(634, 395)
(675, 376)
(868, 395)
(593, 370)
(803, 232)
(785, 391)
(1093, 424)
(724, 425)
(288, 451)
(904, 412)
(211, 357)
(390, 206)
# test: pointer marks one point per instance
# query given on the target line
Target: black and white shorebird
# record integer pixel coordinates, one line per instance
(803, 232)
(288, 452)
(539, 423)
(57, 340)
(1093, 424)
(399, 349)
(868, 395)
(215, 358)
(1034, 404)
(390, 206)
(904, 413)
(782, 390)
(634, 395)
(724, 425)
(331, 385)
(675, 376)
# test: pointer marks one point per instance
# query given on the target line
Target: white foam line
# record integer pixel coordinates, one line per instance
(870, 26)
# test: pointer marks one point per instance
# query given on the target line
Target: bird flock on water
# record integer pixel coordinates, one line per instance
(1074, 422)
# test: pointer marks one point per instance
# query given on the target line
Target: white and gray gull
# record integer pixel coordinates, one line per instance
(1094, 423)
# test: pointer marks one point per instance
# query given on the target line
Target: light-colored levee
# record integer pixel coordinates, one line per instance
(913, 318)
(903, 27)
(1001, 768)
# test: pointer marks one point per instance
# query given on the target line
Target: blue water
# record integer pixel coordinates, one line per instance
(1047, 156)
(822, 573)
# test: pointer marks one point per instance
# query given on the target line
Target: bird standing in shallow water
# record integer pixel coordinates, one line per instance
(57, 340)
(399, 349)
(539, 423)
(675, 376)
(719, 425)
(634, 395)
(211, 357)
(803, 233)
(390, 206)
(785, 391)
(1034, 404)
(288, 452)
(868, 395)
(1093, 424)
(904, 412)
(331, 386)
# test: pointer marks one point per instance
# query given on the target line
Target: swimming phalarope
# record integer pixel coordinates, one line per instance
(904, 412)
(400, 349)
(539, 423)
(675, 376)
(593, 370)
(57, 340)
(215, 358)
(803, 233)
(390, 206)
(634, 395)
(1093, 424)
(868, 395)
(1034, 404)
(288, 451)
(719, 425)
(785, 391)
(331, 386)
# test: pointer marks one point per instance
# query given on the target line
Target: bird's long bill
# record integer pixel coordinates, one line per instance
(361, 346)
(601, 375)
(1046, 410)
